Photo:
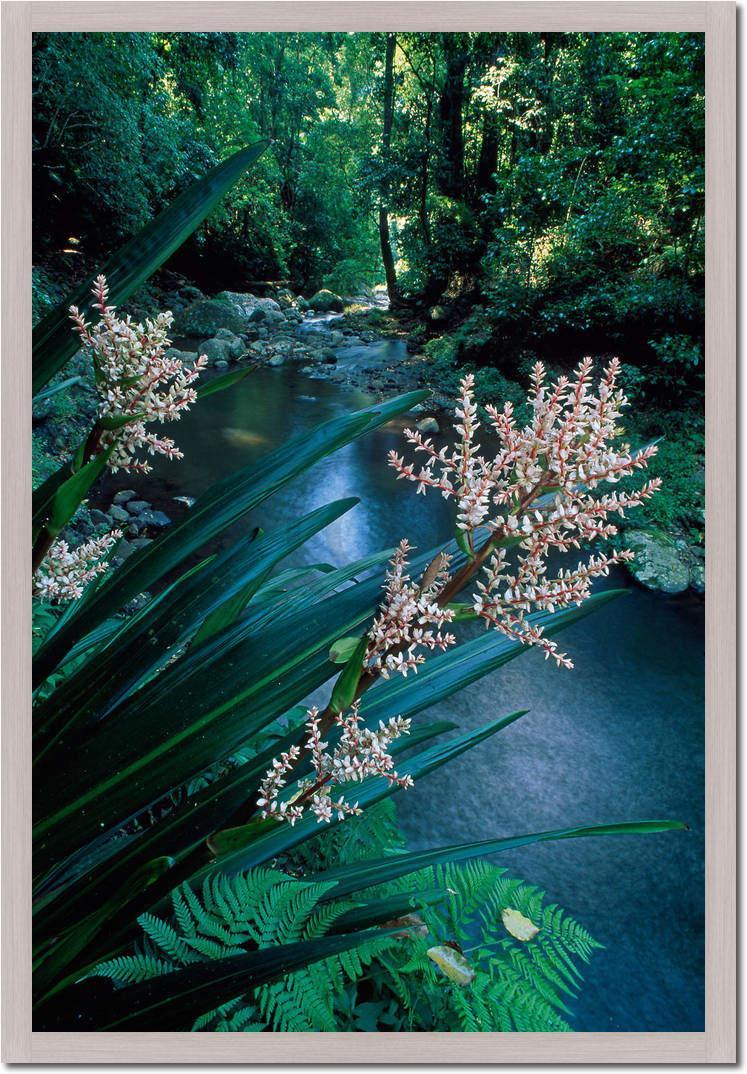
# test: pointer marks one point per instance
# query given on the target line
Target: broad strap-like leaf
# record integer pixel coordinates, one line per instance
(208, 594)
(212, 513)
(56, 501)
(173, 1001)
(282, 837)
(353, 878)
(54, 342)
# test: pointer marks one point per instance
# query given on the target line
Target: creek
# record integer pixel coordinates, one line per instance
(620, 737)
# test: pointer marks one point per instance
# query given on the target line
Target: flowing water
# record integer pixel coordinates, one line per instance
(620, 737)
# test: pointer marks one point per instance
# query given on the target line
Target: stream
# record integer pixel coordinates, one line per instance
(620, 737)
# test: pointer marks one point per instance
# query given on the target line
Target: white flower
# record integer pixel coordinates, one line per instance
(536, 494)
(65, 572)
(360, 753)
(135, 378)
(398, 630)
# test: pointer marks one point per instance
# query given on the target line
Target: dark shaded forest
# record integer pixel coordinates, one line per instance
(518, 194)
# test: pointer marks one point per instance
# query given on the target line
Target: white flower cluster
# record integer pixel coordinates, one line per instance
(536, 493)
(402, 625)
(65, 572)
(136, 380)
(360, 752)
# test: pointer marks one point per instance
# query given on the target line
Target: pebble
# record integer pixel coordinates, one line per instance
(124, 495)
(155, 519)
(136, 507)
(118, 514)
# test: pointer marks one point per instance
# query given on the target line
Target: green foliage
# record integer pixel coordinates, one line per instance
(679, 506)
(546, 200)
(518, 985)
(135, 709)
(522, 986)
(138, 259)
(45, 293)
(253, 910)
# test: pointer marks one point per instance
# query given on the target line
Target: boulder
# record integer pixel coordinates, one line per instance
(247, 306)
(204, 318)
(191, 293)
(302, 304)
(219, 350)
(99, 518)
(659, 563)
(326, 302)
(221, 366)
(124, 495)
(277, 359)
(234, 345)
(697, 577)
(428, 425)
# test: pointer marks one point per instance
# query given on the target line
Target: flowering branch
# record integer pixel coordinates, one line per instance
(65, 572)
(137, 383)
(536, 495)
(359, 753)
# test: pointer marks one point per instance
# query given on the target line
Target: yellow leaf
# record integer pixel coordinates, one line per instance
(519, 926)
(452, 963)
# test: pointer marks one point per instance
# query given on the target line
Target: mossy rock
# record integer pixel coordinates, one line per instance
(326, 302)
(205, 318)
(660, 564)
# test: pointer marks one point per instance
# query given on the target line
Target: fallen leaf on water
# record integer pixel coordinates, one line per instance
(519, 926)
(452, 963)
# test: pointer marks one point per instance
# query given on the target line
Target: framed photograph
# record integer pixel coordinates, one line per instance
(368, 380)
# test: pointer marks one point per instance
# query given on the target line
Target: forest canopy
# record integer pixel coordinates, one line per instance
(557, 176)
(519, 194)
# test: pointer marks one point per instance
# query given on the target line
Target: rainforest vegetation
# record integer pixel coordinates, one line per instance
(497, 207)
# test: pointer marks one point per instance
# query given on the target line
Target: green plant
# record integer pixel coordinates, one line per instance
(130, 724)
(492, 955)
(138, 259)
(179, 728)
(251, 911)
(519, 969)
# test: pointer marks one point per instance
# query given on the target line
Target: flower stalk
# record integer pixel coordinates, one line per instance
(536, 496)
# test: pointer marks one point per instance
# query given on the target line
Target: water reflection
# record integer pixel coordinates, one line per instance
(619, 737)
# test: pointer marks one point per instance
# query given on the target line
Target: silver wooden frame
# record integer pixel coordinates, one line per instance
(718, 1043)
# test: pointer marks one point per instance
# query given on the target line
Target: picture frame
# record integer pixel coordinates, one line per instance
(717, 20)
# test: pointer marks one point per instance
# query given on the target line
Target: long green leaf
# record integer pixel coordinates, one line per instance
(353, 878)
(55, 343)
(173, 1001)
(56, 501)
(170, 620)
(214, 512)
(282, 837)
(81, 896)
(445, 673)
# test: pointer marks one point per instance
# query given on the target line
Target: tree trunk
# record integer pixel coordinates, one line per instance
(487, 165)
(386, 245)
(451, 104)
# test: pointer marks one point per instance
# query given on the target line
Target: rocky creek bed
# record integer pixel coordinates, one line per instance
(324, 339)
